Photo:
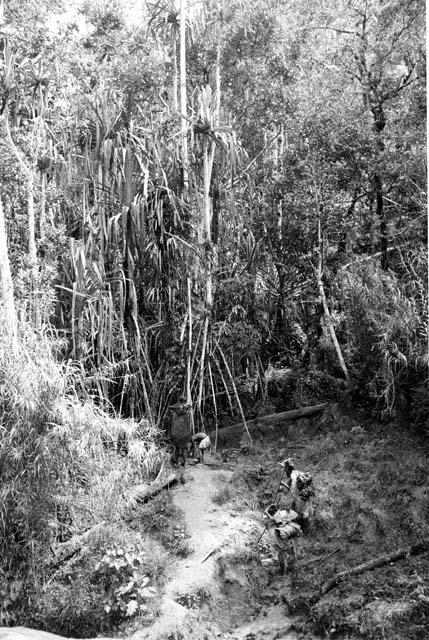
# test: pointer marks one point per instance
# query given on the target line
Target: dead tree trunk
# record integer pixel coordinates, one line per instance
(138, 493)
(142, 492)
(414, 550)
(271, 419)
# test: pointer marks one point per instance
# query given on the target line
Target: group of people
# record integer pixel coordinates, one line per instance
(181, 436)
(284, 524)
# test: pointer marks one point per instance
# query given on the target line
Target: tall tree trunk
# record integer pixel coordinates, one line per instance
(42, 216)
(321, 288)
(183, 98)
(6, 286)
(175, 73)
(209, 149)
(381, 216)
(28, 171)
(379, 124)
(189, 356)
(208, 155)
(32, 250)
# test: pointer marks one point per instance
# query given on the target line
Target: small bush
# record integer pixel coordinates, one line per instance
(114, 580)
(385, 329)
(222, 496)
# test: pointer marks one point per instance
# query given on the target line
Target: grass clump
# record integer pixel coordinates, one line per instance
(222, 496)
(162, 521)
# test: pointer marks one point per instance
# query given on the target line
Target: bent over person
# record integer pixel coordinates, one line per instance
(201, 443)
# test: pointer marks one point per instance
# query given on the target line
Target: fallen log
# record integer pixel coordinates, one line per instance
(143, 492)
(136, 494)
(271, 419)
(72, 546)
(414, 550)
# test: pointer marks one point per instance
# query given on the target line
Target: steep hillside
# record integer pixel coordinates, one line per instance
(372, 486)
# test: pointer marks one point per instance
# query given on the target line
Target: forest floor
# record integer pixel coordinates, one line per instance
(372, 487)
(223, 582)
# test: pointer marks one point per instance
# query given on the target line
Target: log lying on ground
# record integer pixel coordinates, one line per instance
(414, 550)
(271, 419)
(72, 546)
(138, 493)
(143, 492)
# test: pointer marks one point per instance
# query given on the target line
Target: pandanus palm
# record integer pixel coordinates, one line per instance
(165, 19)
(210, 140)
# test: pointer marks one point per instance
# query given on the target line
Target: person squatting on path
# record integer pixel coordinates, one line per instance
(301, 493)
(180, 430)
(283, 528)
(200, 444)
(286, 525)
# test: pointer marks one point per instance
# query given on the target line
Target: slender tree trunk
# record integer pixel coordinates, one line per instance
(189, 356)
(381, 216)
(175, 74)
(379, 124)
(209, 149)
(322, 293)
(183, 98)
(28, 171)
(217, 74)
(6, 285)
(32, 249)
(42, 216)
(237, 397)
(206, 228)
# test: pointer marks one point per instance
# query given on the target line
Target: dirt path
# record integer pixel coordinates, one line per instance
(194, 604)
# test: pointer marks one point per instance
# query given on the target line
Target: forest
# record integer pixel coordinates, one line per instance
(218, 200)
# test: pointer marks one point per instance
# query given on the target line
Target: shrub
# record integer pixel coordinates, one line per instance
(386, 334)
(115, 580)
(222, 496)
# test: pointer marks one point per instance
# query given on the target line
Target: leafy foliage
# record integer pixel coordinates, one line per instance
(387, 333)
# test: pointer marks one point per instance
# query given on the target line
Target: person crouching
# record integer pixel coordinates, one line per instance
(200, 443)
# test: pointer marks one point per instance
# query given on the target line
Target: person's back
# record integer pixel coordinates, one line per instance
(180, 432)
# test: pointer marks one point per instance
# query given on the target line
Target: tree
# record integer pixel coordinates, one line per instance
(10, 320)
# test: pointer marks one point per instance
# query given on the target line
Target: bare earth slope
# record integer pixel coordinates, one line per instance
(194, 604)
(208, 594)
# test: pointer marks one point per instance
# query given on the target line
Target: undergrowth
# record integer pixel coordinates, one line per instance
(372, 487)
(65, 467)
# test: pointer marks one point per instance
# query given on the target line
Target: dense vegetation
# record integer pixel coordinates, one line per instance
(189, 196)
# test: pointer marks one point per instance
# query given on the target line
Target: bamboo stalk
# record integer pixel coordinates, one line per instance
(209, 368)
(188, 360)
(321, 288)
(215, 360)
(183, 98)
(6, 286)
(237, 397)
